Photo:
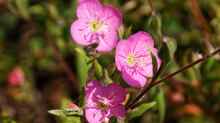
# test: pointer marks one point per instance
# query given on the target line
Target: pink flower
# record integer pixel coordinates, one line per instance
(133, 59)
(80, 1)
(103, 102)
(96, 24)
(16, 77)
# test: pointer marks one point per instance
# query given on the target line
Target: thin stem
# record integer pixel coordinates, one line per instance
(151, 7)
(201, 22)
(62, 62)
(155, 83)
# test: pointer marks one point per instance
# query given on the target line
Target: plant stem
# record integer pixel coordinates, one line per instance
(62, 62)
(201, 22)
(155, 83)
(151, 7)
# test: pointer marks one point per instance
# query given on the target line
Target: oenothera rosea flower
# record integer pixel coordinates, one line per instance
(96, 24)
(103, 102)
(80, 1)
(16, 77)
(134, 59)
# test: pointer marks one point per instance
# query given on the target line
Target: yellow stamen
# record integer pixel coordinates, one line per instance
(130, 59)
(95, 25)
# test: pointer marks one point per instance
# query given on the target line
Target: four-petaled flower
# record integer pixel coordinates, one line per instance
(134, 59)
(103, 102)
(96, 24)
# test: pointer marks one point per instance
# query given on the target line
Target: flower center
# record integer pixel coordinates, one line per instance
(102, 106)
(95, 25)
(130, 59)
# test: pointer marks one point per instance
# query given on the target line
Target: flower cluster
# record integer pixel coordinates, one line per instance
(98, 24)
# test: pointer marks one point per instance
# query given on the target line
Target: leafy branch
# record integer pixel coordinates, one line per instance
(154, 83)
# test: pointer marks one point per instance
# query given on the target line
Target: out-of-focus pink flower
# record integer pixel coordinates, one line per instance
(103, 102)
(16, 77)
(134, 60)
(96, 24)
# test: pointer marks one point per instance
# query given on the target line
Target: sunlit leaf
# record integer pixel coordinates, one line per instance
(161, 105)
(138, 111)
(22, 6)
(82, 67)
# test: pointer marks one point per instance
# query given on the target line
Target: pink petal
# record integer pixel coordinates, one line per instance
(90, 10)
(80, 1)
(115, 93)
(121, 54)
(94, 115)
(108, 41)
(112, 17)
(90, 90)
(133, 78)
(118, 111)
(80, 32)
(143, 36)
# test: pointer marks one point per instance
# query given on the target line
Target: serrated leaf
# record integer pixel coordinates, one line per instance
(82, 68)
(138, 111)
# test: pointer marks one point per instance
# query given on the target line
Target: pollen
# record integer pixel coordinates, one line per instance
(102, 106)
(130, 59)
(95, 25)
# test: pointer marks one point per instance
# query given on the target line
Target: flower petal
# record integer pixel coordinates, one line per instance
(118, 111)
(115, 93)
(107, 41)
(90, 10)
(133, 78)
(94, 115)
(90, 90)
(112, 17)
(121, 54)
(80, 33)
(143, 36)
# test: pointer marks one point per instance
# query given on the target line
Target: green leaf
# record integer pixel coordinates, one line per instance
(107, 78)
(154, 26)
(171, 45)
(155, 65)
(128, 32)
(37, 10)
(66, 112)
(98, 69)
(82, 68)
(161, 105)
(22, 6)
(138, 111)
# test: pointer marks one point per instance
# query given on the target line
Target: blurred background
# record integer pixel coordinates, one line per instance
(42, 69)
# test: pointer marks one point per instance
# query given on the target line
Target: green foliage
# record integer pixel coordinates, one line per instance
(140, 110)
(24, 25)
(161, 105)
(82, 67)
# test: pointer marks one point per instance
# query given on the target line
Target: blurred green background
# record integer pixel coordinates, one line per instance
(35, 36)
